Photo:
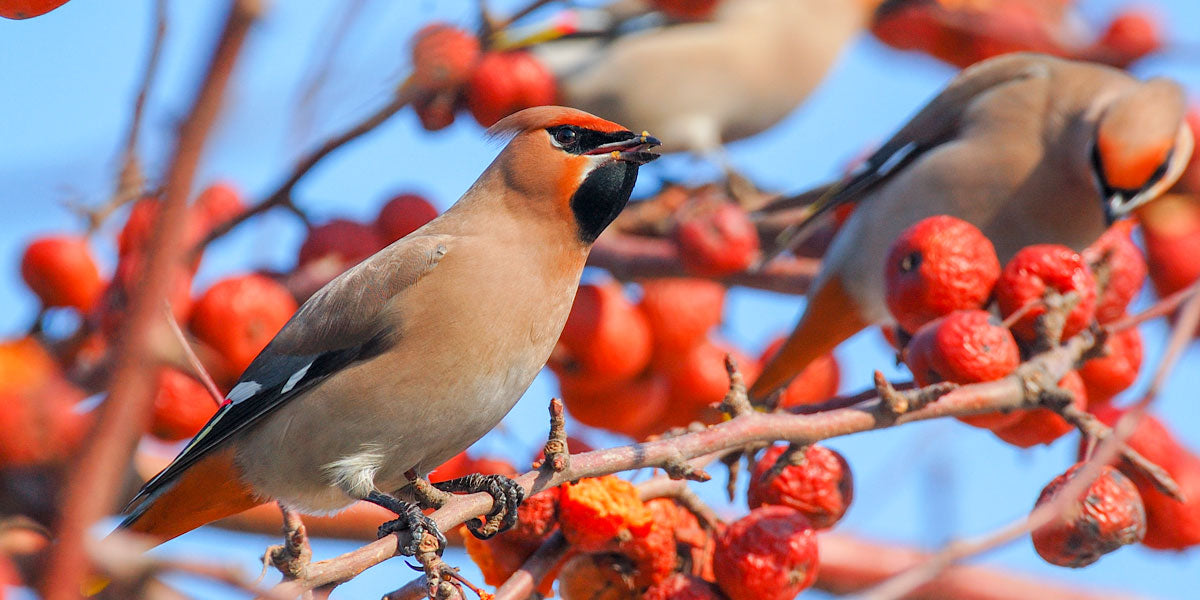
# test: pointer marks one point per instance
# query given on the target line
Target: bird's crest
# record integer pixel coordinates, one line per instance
(542, 117)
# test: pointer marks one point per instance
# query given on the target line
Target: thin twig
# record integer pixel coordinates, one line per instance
(91, 489)
(194, 361)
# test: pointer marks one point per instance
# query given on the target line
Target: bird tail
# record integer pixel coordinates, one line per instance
(830, 318)
(207, 491)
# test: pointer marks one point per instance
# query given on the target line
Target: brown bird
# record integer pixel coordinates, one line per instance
(409, 357)
(703, 84)
(1029, 148)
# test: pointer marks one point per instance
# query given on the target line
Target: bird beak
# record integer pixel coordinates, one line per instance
(1114, 208)
(631, 150)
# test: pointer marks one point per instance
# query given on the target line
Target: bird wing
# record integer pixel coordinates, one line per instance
(341, 324)
(939, 122)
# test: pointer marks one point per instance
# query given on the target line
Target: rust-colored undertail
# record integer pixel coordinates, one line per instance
(830, 318)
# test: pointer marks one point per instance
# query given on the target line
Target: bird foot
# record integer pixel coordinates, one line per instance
(506, 494)
(409, 518)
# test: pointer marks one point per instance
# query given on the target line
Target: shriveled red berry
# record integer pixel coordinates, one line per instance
(937, 266)
(965, 346)
(1041, 425)
(436, 111)
(820, 485)
(1032, 272)
(626, 407)
(769, 554)
(683, 587)
(402, 215)
(1170, 524)
(61, 271)
(597, 577)
(1171, 230)
(654, 554)
(716, 240)
(238, 316)
(27, 9)
(686, 10)
(499, 557)
(506, 82)
(443, 57)
(606, 337)
(1116, 255)
(1108, 515)
(817, 383)
(595, 513)
(181, 406)
(681, 311)
(1110, 374)
(347, 241)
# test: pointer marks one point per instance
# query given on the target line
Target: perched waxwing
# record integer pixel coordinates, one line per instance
(409, 357)
(1029, 148)
(703, 84)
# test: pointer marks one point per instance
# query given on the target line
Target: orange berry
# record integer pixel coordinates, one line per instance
(817, 383)
(698, 382)
(821, 486)
(458, 466)
(597, 512)
(597, 577)
(1032, 272)
(238, 316)
(443, 57)
(681, 311)
(1044, 426)
(716, 240)
(937, 266)
(1126, 270)
(1107, 515)
(27, 9)
(499, 557)
(506, 82)
(1171, 230)
(626, 407)
(1108, 375)
(62, 272)
(769, 554)
(181, 406)
(38, 420)
(605, 336)
(1130, 36)
(218, 203)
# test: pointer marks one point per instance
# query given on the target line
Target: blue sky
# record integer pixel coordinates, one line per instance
(70, 76)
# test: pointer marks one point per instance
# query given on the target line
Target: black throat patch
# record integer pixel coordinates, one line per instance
(601, 197)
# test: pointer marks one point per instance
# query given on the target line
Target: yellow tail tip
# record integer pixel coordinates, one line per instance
(94, 584)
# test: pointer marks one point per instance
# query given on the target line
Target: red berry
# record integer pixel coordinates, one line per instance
(769, 554)
(937, 266)
(437, 111)
(683, 587)
(1113, 373)
(27, 9)
(1125, 266)
(1189, 181)
(443, 57)
(595, 513)
(625, 407)
(62, 272)
(686, 10)
(38, 420)
(402, 215)
(218, 203)
(821, 486)
(716, 240)
(1038, 269)
(817, 383)
(458, 466)
(605, 337)
(347, 241)
(1130, 36)
(964, 347)
(654, 554)
(1170, 525)
(181, 406)
(681, 312)
(1171, 229)
(1108, 515)
(506, 82)
(1044, 426)
(699, 381)
(238, 316)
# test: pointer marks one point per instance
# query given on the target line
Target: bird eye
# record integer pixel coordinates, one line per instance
(565, 136)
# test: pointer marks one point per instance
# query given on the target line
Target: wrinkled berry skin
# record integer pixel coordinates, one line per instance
(1109, 515)
(821, 487)
(1108, 375)
(1116, 253)
(1036, 269)
(769, 554)
(939, 265)
(683, 587)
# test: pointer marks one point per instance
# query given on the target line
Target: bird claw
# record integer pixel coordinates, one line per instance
(506, 494)
(409, 518)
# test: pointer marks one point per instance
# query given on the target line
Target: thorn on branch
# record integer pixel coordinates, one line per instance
(677, 468)
(557, 454)
(736, 403)
(899, 402)
(1049, 325)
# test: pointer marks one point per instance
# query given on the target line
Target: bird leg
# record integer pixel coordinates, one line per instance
(408, 518)
(506, 494)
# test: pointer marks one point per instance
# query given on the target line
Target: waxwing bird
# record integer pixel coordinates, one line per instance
(1029, 148)
(702, 84)
(409, 357)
